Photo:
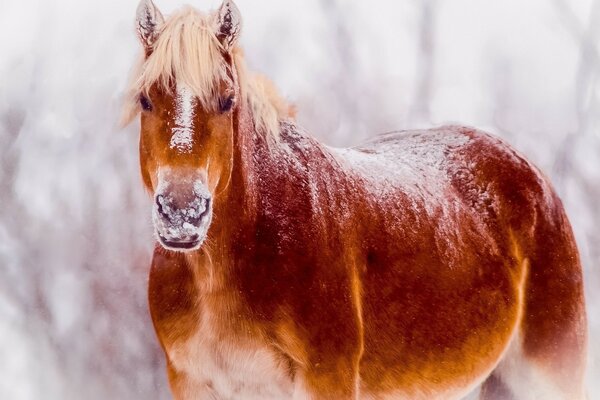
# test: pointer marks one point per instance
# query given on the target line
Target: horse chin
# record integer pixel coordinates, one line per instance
(184, 242)
(179, 245)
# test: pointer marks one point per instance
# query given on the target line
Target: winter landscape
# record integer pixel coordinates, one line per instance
(75, 228)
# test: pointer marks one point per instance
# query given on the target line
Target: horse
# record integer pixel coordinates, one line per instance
(421, 264)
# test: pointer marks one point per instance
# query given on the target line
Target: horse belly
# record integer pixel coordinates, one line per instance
(433, 376)
(437, 338)
(230, 368)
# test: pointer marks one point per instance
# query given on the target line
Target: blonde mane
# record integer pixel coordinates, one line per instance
(187, 51)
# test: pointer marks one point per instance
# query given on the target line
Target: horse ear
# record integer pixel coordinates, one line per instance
(148, 23)
(228, 24)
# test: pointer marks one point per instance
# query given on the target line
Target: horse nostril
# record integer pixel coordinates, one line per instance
(197, 219)
(159, 204)
(206, 208)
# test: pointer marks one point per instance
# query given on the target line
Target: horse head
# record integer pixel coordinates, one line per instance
(186, 92)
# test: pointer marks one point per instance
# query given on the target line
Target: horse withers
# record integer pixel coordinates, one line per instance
(419, 265)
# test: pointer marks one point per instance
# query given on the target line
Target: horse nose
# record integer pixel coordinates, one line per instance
(199, 211)
(191, 213)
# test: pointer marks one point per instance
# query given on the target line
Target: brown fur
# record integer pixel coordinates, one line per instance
(363, 285)
(348, 296)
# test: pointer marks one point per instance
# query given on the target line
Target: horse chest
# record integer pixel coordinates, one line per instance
(228, 366)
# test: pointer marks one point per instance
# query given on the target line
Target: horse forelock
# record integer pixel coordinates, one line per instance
(188, 53)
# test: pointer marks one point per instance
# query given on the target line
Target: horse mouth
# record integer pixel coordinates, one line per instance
(180, 244)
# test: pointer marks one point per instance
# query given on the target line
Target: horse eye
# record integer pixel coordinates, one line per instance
(227, 104)
(145, 103)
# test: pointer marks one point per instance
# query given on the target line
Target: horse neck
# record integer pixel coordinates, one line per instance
(235, 213)
(238, 204)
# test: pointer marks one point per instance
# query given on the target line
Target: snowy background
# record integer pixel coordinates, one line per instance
(75, 232)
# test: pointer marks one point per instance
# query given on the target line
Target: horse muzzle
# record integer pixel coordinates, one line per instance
(182, 214)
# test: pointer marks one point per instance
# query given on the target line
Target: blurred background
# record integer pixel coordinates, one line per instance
(75, 230)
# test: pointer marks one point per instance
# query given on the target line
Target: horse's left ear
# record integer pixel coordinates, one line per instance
(148, 21)
(228, 24)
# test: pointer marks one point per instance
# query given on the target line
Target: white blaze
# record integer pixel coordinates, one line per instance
(183, 130)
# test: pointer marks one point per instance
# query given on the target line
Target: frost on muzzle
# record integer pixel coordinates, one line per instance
(182, 210)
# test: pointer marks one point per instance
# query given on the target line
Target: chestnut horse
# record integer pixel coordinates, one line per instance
(419, 265)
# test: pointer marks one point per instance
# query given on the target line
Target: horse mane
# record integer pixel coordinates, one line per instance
(188, 51)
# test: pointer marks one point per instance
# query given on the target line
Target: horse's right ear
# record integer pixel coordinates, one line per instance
(148, 23)
(228, 24)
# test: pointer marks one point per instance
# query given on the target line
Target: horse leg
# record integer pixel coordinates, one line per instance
(494, 389)
(185, 388)
(327, 372)
(521, 376)
(336, 384)
(546, 358)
